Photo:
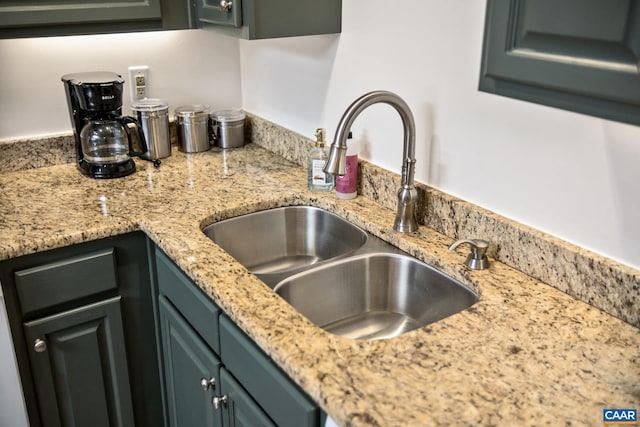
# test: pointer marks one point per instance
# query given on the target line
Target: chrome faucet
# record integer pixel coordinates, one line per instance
(405, 221)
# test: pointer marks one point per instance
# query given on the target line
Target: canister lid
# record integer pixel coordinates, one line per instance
(192, 110)
(150, 104)
(224, 116)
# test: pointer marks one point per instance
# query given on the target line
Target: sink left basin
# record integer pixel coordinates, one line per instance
(285, 239)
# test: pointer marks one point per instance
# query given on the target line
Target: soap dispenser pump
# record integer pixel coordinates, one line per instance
(318, 180)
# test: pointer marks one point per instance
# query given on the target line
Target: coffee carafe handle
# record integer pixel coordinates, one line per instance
(126, 120)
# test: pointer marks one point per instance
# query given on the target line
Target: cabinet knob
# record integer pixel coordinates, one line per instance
(225, 6)
(206, 383)
(40, 346)
(218, 401)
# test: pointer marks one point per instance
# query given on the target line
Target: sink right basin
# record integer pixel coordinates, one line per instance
(374, 296)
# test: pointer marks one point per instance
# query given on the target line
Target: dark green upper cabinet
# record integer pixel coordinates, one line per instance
(249, 19)
(36, 18)
(578, 55)
(260, 19)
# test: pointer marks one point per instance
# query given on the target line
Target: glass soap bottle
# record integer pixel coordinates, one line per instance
(317, 179)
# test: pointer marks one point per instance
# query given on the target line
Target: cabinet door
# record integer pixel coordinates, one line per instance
(45, 284)
(240, 409)
(257, 19)
(187, 360)
(34, 18)
(212, 12)
(578, 55)
(271, 388)
(80, 367)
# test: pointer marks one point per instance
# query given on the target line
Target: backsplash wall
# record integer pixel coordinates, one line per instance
(186, 67)
(569, 175)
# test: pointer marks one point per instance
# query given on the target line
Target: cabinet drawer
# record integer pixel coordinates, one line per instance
(64, 281)
(278, 396)
(191, 302)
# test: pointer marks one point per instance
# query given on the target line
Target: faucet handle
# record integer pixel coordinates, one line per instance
(477, 259)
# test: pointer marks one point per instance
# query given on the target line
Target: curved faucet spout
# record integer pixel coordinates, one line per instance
(405, 221)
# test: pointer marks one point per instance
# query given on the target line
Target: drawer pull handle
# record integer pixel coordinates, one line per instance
(40, 346)
(225, 6)
(217, 402)
(206, 383)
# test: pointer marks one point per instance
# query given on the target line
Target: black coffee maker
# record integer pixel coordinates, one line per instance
(104, 145)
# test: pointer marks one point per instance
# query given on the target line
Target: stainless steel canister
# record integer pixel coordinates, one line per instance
(194, 126)
(228, 126)
(153, 116)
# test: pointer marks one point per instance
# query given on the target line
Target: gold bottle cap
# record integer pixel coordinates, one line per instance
(320, 137)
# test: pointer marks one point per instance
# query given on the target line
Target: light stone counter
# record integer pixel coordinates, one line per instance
(525, 354)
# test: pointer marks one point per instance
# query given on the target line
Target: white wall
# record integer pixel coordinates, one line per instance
(186, 67)
(573, 176)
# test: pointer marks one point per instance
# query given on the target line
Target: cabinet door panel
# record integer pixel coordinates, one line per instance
(34, 12)
(81, 377)
(241, 411)
(579, 55)
(257, 19)
(285, 403)
(211, 11)
(37, 18)
(187, 359)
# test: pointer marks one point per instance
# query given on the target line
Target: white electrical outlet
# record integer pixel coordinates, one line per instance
(139, 82)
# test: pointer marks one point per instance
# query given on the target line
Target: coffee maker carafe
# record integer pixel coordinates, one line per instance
(104, 145)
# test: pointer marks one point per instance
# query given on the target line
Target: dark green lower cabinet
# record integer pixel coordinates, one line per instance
(112, 333)
(83, 325)
(187, 361)
(199, 343)
(194, 378)
(80, 365)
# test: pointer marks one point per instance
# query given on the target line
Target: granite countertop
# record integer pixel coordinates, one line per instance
(525, 354)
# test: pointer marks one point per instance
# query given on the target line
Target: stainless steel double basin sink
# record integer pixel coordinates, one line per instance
(340, 277)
